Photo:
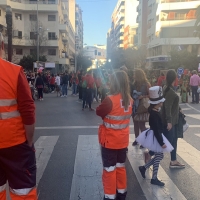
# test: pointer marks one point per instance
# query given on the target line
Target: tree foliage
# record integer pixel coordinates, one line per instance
(27, 61)
(83, 62)
(131, 58)
(183, 58)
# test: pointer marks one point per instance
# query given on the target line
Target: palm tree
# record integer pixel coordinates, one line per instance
(197, 23)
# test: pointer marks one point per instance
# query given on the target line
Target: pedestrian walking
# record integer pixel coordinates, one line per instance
(52, 83)
(17, 119)
(64, 82)
(90, 86)
(58, 86)
(153, 138)
(39, 84)
(170, 117)
(194, 83)
(74, 81)
(115, 111)
(141, 87)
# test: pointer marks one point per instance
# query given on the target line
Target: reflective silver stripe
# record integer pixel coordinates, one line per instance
(113, 117)
(121, 191)
(110, 196)
(115, 126)
(19, 192)
(110, 169)
(8, 115)
(8, 102)
(2, 188)
(120, 165)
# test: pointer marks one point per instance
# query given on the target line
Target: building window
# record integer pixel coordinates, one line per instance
(32, 52)
(33, 17)
(51, 18)
(19, 51)
(18, 16)
(20, 34)
(52, 36)
(32, 35)
(99, 53)
(95, 52)
(52, 52)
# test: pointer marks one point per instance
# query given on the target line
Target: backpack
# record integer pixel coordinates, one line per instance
(84, 84)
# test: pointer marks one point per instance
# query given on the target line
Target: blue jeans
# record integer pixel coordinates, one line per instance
(64, 89)
(74, 88)
(84, 96)
(172, 137)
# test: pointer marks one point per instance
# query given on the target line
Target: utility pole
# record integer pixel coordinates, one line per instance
(9, 31)
(37, 26)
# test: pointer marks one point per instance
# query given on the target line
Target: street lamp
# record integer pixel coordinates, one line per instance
(37, 34)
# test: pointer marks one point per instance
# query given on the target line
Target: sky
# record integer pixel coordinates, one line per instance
(96, 19)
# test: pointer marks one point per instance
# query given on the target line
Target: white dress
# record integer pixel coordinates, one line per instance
(149, 141)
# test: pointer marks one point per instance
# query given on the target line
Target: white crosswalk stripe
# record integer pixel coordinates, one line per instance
(88, 168)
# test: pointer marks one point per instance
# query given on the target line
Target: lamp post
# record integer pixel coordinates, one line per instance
(37, 26)
(9, 31)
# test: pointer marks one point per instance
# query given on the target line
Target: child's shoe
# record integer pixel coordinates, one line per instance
(157, 182)
(142, 171)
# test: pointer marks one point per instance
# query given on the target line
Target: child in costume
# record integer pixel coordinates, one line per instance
(153, 138)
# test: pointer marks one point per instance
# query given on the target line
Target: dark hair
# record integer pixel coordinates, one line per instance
(170, 78)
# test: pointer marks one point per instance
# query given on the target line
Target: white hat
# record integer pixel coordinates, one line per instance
(156, 95)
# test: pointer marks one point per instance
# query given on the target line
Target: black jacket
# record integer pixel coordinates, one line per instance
(64, 79)
(155, 123)
(39, 81)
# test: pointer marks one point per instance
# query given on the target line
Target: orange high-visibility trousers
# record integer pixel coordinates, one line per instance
(32, 195)
(114, 173)
(3, 192)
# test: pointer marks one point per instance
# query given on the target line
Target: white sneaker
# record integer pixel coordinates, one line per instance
(185, 127)
(61, 96)
(42, 99)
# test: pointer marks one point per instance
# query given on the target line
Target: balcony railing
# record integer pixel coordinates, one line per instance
(35, 1)
(175, 1)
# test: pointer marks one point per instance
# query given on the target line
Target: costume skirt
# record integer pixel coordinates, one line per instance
(149, 141)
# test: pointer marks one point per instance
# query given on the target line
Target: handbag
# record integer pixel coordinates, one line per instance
(143, 106)
(198, 91)
(142, 117)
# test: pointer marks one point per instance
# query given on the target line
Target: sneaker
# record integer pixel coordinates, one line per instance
(91, 109)
(185, 127)
(134, 143)
(82, 109)
(42, 99)
(157, 182)
(64, 95)
(142, 171)
(61, 96)
(176, 165)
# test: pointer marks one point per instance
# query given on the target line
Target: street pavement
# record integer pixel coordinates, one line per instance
(69, 162)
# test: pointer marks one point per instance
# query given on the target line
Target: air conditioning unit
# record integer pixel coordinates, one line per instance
(15, 33)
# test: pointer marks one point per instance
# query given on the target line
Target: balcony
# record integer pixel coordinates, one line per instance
(63, 61)
(179, 5)
(137, 8)
(27, 5)
(65, 12)
(63, 28)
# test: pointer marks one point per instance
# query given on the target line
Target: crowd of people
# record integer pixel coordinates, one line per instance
(158, 105)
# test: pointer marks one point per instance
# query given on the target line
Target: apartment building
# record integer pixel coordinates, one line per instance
(141, 31)
(170, 24)
(56, 32)
(79, 30)
(96, 53)
(123, 23)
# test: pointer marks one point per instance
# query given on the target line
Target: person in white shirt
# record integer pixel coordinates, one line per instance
(58, 86)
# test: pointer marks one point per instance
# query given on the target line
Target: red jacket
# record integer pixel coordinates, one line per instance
(74, 80)
(160, 80)
(90, 81)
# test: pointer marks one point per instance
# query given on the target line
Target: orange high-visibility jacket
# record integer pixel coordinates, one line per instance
(114, 132)
(12, 130)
